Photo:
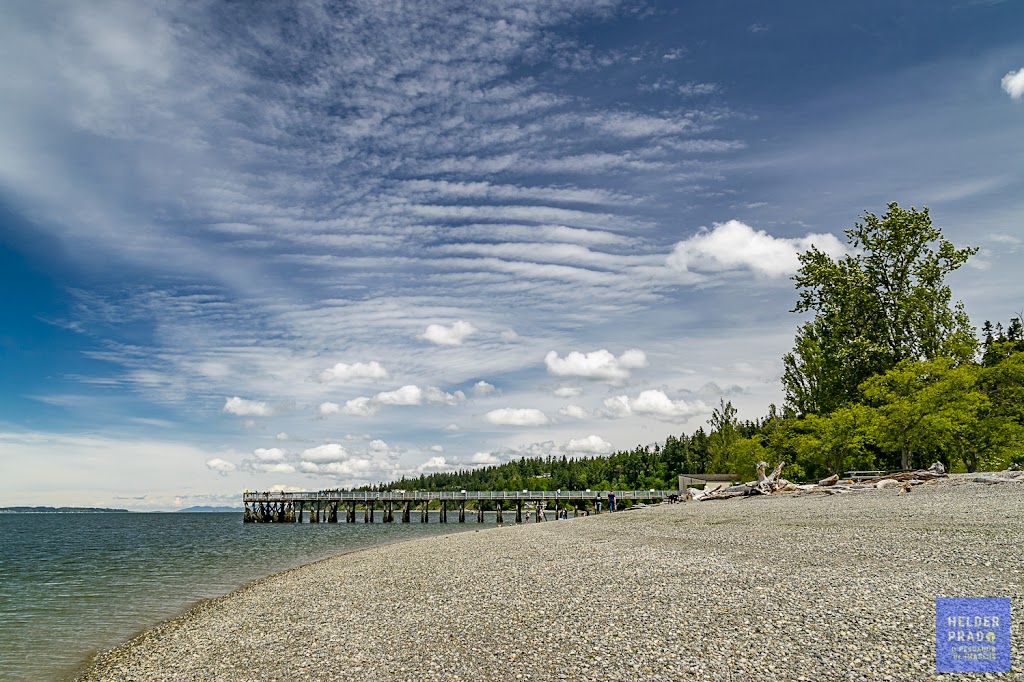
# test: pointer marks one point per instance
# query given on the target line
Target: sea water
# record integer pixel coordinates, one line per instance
(73, 584)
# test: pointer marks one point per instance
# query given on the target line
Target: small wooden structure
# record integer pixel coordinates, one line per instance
(323, 506)
(707, 482)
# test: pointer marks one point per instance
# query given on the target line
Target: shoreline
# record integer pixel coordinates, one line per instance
(771, 588)
(78, 671)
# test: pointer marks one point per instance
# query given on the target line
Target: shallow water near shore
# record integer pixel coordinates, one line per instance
(72, 584)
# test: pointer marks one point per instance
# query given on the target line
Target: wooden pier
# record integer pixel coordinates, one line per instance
(324, 506)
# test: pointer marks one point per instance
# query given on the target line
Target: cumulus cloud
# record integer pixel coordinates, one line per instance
(453, 335)
(482, 388)
(509, 416)
(653, 403)
(221, 466)
(568, 391)
(274, 467)
(358, 468)
(483, 459)
(737, 246)
(1013, 83)
(281, 436)
(360, 407)
(269, 454)
(406, 395)
(360, 370)
(594, 445)
(246, 408)
(328, 452)
(435, 464)
(439, 397)
(574, 411)
(599, 364)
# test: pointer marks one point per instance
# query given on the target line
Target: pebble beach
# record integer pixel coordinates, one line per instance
(784, 587)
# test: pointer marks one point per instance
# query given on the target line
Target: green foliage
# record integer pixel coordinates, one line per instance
(921, 406)
(884, 303)
(837, 442)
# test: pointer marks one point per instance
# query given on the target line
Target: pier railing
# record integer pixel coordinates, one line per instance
(456, 495)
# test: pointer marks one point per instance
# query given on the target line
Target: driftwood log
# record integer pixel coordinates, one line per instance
(772, 483)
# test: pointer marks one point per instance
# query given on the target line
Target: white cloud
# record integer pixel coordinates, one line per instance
(599, 364)
(508, 416)
(406, 395)
(435, 464)
(361, 370)
(1013, 83)
(591, 445)
(328, 452)
(437, 396)
(246, 408)
(437, 448)
(281, 436)
(483, 459)
(360, 407)
(482, 388)
(454, 335)
(452, 428)
(403, 396)
(618, 406)
(568, 391)
(359, 468)
(574, 411)
(737, 246)
(269, 454)
(274, 467)
(653, 403)
(221, 466)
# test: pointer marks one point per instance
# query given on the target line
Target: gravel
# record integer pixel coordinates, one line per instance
(787, 587)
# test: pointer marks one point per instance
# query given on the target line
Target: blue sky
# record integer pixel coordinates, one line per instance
(315, 243)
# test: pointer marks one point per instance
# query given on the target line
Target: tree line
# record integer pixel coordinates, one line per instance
(888, 374)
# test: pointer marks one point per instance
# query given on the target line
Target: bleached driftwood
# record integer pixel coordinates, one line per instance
(770, 484)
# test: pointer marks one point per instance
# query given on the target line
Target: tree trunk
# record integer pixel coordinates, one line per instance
(905, 459)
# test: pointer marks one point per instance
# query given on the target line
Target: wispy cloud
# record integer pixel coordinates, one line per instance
(307, 216)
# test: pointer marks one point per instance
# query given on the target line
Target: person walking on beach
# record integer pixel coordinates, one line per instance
(611, 501)
(597, 502)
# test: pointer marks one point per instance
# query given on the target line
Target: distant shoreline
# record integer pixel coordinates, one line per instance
(62, 510)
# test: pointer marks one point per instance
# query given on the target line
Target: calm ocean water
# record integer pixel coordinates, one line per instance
(72, 584)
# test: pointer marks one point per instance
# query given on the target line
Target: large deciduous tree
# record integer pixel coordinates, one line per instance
(884, 302)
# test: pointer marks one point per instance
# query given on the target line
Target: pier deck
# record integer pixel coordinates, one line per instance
(323, 505)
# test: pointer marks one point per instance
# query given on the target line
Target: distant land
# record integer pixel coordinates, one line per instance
(61, 510)
(212, 509)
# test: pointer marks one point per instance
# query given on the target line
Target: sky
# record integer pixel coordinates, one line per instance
(300, 245)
